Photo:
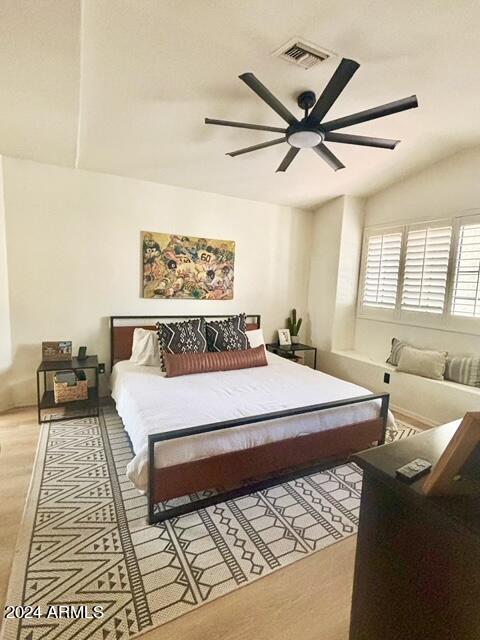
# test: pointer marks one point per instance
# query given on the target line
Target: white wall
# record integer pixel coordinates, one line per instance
(443, 190)
(326, 236)
(74, 257)
(334, 265)
(348, 272)
(5, 332)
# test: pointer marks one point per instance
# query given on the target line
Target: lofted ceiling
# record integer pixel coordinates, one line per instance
(123, 87)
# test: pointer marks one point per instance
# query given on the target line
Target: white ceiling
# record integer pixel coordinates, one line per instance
(123, 86)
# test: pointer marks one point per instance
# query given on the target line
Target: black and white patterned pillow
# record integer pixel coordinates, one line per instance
(182, 337)
(227, 335)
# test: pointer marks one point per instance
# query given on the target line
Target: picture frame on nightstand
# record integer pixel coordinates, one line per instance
(284, 338)
(59, 351)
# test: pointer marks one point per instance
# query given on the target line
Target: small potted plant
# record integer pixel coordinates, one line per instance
(294, 326)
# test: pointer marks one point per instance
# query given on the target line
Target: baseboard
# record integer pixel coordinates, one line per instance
(415, 416)
(17, 407)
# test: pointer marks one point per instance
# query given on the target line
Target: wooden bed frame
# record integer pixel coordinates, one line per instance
(238, 473)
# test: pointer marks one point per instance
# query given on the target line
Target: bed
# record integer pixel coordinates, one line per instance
(237, 430)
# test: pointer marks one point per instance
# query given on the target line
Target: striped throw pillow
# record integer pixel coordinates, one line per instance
(397, 346)
(464, 370)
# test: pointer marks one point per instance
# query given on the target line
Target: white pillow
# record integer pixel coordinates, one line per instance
(423, 362)
(145, 350)
(255, 337)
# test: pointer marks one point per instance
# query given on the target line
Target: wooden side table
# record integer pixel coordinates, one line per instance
(78, 408)
(288, 351)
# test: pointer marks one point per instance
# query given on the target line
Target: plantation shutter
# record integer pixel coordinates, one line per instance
(426, 269)
(466, 285)
(381, 270)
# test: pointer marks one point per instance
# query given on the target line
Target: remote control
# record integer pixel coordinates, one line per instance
(413, 470)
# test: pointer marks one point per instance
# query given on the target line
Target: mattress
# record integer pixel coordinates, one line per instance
(148, 403)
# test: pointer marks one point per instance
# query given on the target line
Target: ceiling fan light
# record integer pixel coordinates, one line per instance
(305, 139)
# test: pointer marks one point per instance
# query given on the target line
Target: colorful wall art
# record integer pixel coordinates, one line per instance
(177, 266)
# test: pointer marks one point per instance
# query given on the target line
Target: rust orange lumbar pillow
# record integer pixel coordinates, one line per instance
(183, 364)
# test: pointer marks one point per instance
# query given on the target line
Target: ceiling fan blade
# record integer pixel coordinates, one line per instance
(263, 145)
(334, 88)
(244, 125)
(370, 114)
(285, 163)
(328, 156)
(363, 141)
(268, 97)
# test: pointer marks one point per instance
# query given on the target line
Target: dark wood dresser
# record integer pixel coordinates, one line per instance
(417, 567)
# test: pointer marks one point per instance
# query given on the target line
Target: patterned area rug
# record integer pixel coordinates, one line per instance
(84, 544)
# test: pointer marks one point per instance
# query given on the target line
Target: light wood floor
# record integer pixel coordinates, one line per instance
(308, 600)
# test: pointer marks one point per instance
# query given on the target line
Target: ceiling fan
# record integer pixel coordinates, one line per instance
(310, 132)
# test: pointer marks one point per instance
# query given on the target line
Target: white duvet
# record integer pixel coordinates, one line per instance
(149, 403)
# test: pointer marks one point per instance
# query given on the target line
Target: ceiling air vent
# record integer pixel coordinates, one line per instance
(301, 53)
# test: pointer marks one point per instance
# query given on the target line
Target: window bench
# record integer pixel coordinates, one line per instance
(431, 401)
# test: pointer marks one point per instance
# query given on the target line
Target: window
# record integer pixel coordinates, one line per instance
(381, 271)
(424, 274)
(426, 268)
(466, 285)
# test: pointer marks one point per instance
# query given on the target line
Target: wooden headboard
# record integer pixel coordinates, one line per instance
(122, 328)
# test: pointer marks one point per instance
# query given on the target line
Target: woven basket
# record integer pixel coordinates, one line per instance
(64, 393)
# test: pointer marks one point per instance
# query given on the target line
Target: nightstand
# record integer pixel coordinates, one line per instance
(87, 408)
(289, 350)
